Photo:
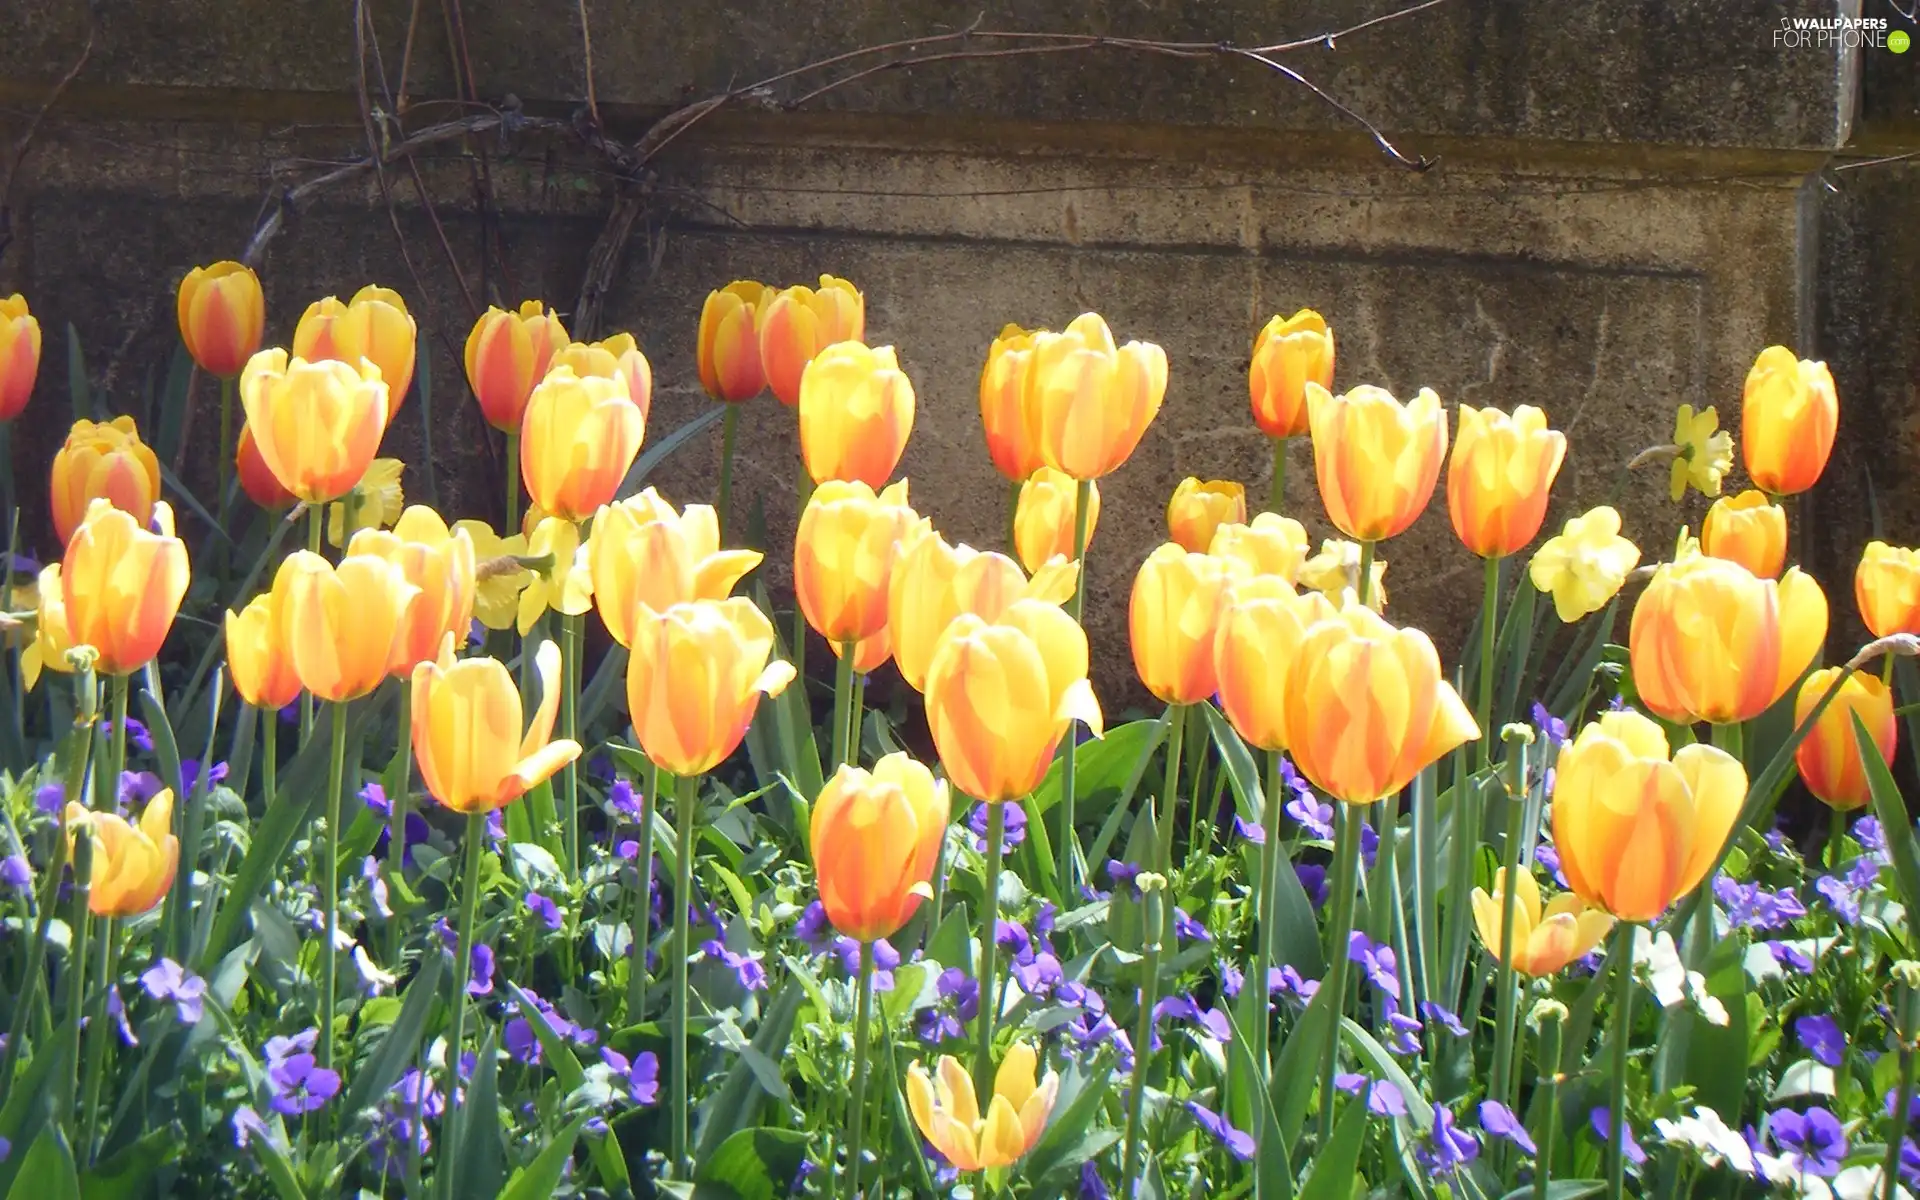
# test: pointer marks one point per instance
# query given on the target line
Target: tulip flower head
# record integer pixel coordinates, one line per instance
(618, 355)
(1748, 529)
(256, 480)
(1090, 401)
(260, 655)
(1271, 544)
(507, 355)
(19, 354)
(1376, 458)
(1335, 572)
(121, 584)
(222, 315)
(1043, 518)
(1703, 453)
(876, 836)
(1712, 642)
(1499, 477)
(438, 561)
(1288, 354)
(844, 556)
(1544, 942)
(729, 342)
(498, 578)
(1197, 509)
(1585, 565)
(565, 584)
(1637, 826)
(644, 552)
(1829, 757)
(694, 677)
(934, 582)
(103, 460)
(1886, 587)
(374, 325)
(317, 424)
(1178, 598)
(343, 623)
(796, 324)
(467, 732)
(133, 865)
(869, 653)
(948, 1112)
(1788, 415)
(577, 440)
(1013, 441)
(856, 412)
(1258, 634)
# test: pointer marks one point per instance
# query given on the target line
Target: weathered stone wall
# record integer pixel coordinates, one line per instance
(1628, 202)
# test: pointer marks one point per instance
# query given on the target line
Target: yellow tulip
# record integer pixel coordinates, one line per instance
(934, 582)
(695, 675)
(1013, 440)
(317, 425)
(48, 650)
(1705, 452)
(566, 586)
(796, 324)
(103, 460)
(578, 439)
(948, 1113)
(1747, 529)
(1288, 354)
(844, 556)
(1544, 942)
(507, 354)
(467, 733)
(1000, 695)
(1258, 634)
(876, 837)
(1637, 826)
(1829, 758)
(122, 585)
(1175, 609)
(375, 502)
(1044, 516)
(1711, 642)
(643, 552)
(437, 560)
(618, 355)
(1886, 587)
(1585, 565)
(19, 355)
(1366, 708)
(1788, 415)
(856, 413)
(497, 579)
(729, 343)
(1335, 572)
(374, 325)
(1090, 402)
(259, 654)
(1376, 459)
(1499, 477)
(343, 623)
(1270, 544)
(1197, 509)
(222, 315)
(133, 865)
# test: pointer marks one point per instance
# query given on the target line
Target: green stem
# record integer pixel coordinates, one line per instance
(1169, 793)
(1549, 1084)
(1142, 1037)
(1277, 490)
(1505, 990)
(684, 816)
(1622, 952)
(989, 951)
(1363, 586)
(1069, 783)
(462, 973)
(859, 715)
(316, 528)
(857, 1111)
(269, 755)
(1836, 839)
(330, 876)
(1489, 629)
(1346, 871)
(513, 485)
(842, 705)
(1269, 909)
(729, 432)
(226, 435)
(570, 722)
(1196, 750)
(643, 900)
(1908, 1026)
(98, 1043)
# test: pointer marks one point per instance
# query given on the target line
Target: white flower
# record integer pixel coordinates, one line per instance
(1709, 1137)
(1863, 1183)
(1672, 984)
(372, 977)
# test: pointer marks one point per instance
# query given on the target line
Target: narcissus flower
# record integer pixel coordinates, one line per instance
(1366, 708)
(934, 582)
(437, 560)
(1704, 452)
(617, 355)
(1044, 516)
(133, 865)
(497, 578)
(260, 654)
(1091, 402)
(1788, 415)
(467, 732)
(317, 425)
(1499, 477)
(948, 1113)
(1638, 826)
(1197, 509)
(374, 503)
(222, 315)
(1585, 564)
(1376, 458)
(374, 325)
(795, 324)
(729, 343)
(1544, 942)
(256, 480)
(876, 837)
(1177, 600)
(122, 584)
(1258, 634)
(643, 552)
(1013, 441)
(507, 355)
(1001, 695)
(1886, 587)
(566, 584)
(48, 649)
(104, 460)
(695, 675)
(343, 622)
(1270, 544)
(844, 556)
(856, 413)
(1747, 529)
(1335, 571)
(1711, 642)
(1288, 354)
(19, 354)
(1829, 757)
(577, 440)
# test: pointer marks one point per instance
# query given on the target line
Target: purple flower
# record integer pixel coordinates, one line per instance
(1092, 1187)
(1405, 1031)
(1549, 858)
(812, 927)
(1913, 1105)
(1434, 1012)
(496, 827)
(1012, 937)
(480, 977)
(1552, 727)
(1450, 1147)
(1383, 1098)
(1238, 1143)
(1369, 844)
(1314, 817)
(279, 1049)
(168, 980)
(885, 959)
(1122, 874)
(1377, 961)
(1232, 978)
(1754, 906)
(1841, 895)
(138, 787)
(1814, 1142)
(137, 735)
(299, 1085)
(1313, 881)
(959, 1003)
(1821, 1036)
(15, 873)
(546, 910)
(1186, 927)
(1601, 1121)
(1039, 974)
(375, 797)
(1014, 829)
(117, 1009)
(1286, 981)
(48, 798)
(520, 1041)
(745, 967)
(247, 1125)
(1871, 837)
(1790, 957)
(193, 775)
(1252, 833)
(1043, 918)
(642, 1075)
(1498, 1120)
(623, 799)
(627, 848)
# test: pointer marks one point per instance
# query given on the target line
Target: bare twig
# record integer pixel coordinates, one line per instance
(1327, 39)
(406, 59)
(1380, 139)
(586, 44)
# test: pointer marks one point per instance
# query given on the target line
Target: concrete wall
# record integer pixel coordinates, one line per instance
(1629, 200)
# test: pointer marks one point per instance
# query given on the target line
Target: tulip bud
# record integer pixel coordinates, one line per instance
(1013, 441)
(1886, 587)
(1788, 414)
(1543, 942)
(1270, 545)
(695, 675)
(1258, 635)
(947, 1111)
(1499, 477)
(1197, 509)
(1711, 642)
(1178, 598)
(122, 585)
(467, 733)
(856, 412)
(1289, 354)
(222, 315)
(1749, 530)
(507, 355)
(1376, 459)
(729, 342)
(133, 865)
(19, 354)
(876, 837)
(316, 425)
(1829, 757)
(797, 323)
(844, 555)
(577, 440)
(1090, 402)
(103, 461)
(1043, 519)
(375, 326)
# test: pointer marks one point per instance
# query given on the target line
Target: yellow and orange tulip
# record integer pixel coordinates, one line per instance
(19, 354)
(796, 324)
(1788, 416)
(643, 552)
(507, 355)
(256, 479)
(617, 355)
(1748, 529)
(1288, 354)
(342, 624)
(1543, 942)
(1013, 441)
(1270, 544)
(729, 342)
(578, 438)
(1886, 587)
(844, 556)
(1376, 458)
(694, 677)
(259, 654)
(222, 315)
(1043, 517)
(934, 582)
(1198, 509)
(122, 584)
(440, 563)
(856, 413)
(474, 754)
(947, 1110)
(1499, 477)
(374, 325)
(1178, 598)
(1829, 757)
(1712, 642)
(1091, 402)
(1257, 636)
(317, 425)
(133, 865)
(104, 460)
(876, 836)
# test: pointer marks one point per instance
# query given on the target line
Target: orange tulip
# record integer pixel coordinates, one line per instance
(577, 441)
(617, 355)
(869, 653)
(1711, 642)
(1258, 634)
(934, 582)
(1829, 757)
(856, 412)
(467, 732)
(643, 552)
(316, 425)
(1747, 529)
(439, 562)
(1886, 587)
(122, 585)
(876, 837)
(1787, 421)
(103, 461)
(1270, 545)
(947, 1110)
(797, 323)
(1289, 354)
(1043, 519)
(729, 346)
(375, 326)
(844, 556)
(19, 354)
(1376, 459)
(260, 655)
(1012, 440)
(1499, 477)
(1366, 708)
(1638, 827)
(133, 865)
(695, 676)
(1090, 402)
(1198, 509)
(507, 354)
(343, 624)
(256, 480)
(1178, 597)
(1001, 695)
(1543, 942)
(222, 315)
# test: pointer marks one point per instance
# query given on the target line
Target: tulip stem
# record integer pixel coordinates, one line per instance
(97, 1041)
(1836, 840)
(1263, 944)
(1346, 871)
(859, 715)
(1363, 586)
(1622, 954)
(462, 973)
(729, 433)
(1506, 1004)
(1277, 489)
(1069, 783)
(1549, 1086)
(316, 518)
(1169, 803)
(398, 806)
(842, 705)
(1142, 1036)
(513, 485)
(1906, 1028)
(1489, 630)
(570, 721)
(226, 438)
(643, 900)
(330, 880)
(684, 803)
(857, 1112)
(989, 948)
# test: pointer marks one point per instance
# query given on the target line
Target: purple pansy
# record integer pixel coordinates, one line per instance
(546, 910)
(1237, 1142)
(1600, 1120)
(16, 874)
(1449, 1147)
(1499, 1121)
(300, 1085)
(168, 980)
(1821, 1036)
(1383, 1097)
(1013, 832)
(1814, 1141)
(1376, 961)
(746, 968)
